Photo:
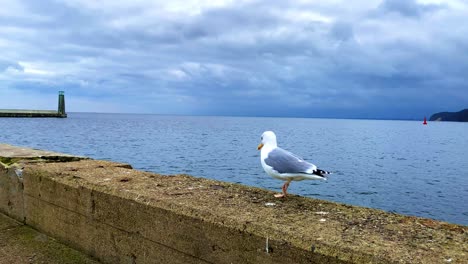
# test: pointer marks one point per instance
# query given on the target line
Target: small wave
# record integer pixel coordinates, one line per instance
(365, 193)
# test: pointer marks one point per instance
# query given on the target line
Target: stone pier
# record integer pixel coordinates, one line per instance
(116, 214)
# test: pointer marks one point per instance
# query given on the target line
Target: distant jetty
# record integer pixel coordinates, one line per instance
(60, 113)
(461, 116)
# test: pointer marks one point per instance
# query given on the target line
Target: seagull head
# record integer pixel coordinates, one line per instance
(269, 139)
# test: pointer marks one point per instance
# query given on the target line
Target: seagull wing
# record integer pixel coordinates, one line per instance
(284, 161)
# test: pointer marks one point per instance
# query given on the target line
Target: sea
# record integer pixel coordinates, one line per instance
(398, 166)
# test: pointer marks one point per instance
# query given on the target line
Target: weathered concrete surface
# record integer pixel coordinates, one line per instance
(12, 162)
(11, 192)
(120, 215)
(10, 154)
(21, 244)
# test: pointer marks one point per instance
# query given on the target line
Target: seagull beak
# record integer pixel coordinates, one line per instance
(260, 146)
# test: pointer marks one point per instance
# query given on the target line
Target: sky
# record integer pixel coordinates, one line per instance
(397, 59)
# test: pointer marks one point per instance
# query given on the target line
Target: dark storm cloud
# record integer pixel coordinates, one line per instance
(288, 58)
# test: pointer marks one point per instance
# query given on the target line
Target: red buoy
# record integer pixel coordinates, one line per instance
(425, 122)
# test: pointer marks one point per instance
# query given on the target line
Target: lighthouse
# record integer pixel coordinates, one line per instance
(61, 104)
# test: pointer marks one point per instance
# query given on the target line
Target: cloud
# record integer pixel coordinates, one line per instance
(9, 65)
(342, 31)
(290, 58)
(408, 7)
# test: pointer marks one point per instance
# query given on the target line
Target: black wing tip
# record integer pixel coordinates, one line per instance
(321, 172)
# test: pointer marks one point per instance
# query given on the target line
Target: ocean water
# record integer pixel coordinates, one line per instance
(397, 166)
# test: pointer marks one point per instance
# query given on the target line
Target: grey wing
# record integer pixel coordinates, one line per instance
(284, 161)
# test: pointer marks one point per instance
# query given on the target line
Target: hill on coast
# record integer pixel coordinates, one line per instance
(461, 116)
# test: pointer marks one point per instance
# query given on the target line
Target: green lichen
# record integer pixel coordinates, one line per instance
(8, 161)
(62, 158)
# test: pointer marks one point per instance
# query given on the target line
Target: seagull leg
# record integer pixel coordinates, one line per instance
(286, 185)
(284, 189)
(279, 195)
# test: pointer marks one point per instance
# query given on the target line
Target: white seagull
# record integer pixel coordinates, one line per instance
(284, 165)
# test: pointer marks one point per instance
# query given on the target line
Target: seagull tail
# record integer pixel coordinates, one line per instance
(320, 172)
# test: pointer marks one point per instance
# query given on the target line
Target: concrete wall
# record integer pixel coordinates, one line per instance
(20, 244)
(121, 215)
(11, 193)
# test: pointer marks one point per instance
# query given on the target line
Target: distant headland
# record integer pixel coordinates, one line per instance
(461, 116)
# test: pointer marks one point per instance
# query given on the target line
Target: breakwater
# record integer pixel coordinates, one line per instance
(120, 215)
(60, 113)
(30, 113)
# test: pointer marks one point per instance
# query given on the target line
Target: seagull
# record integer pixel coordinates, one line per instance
(284, 165)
